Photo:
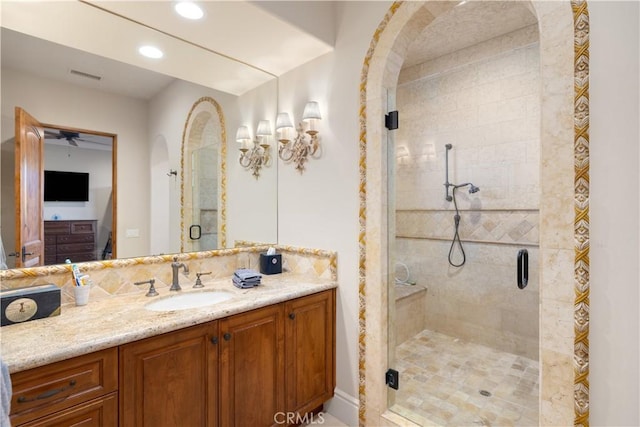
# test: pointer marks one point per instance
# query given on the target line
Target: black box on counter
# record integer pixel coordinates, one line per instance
(31, 303)
(270, 264)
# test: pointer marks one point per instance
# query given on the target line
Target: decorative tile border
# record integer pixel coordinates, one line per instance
(362, 238)
(116, 277)
(499, 226)
(581, 223)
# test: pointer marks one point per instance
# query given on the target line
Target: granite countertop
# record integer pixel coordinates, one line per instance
(121, 319)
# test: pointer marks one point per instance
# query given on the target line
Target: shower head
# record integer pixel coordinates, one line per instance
(472, 188)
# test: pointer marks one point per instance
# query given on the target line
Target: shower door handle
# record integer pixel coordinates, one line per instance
(195, 232)
(523, 268)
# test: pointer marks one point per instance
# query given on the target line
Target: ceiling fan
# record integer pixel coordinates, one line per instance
(71, 137)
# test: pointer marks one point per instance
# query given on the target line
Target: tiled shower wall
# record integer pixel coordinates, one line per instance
(485, 101)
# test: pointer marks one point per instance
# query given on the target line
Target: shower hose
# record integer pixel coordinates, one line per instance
(456, 235)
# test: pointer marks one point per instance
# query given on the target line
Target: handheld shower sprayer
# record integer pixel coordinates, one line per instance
(456, 217)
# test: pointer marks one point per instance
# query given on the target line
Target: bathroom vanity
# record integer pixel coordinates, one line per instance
(268, 350)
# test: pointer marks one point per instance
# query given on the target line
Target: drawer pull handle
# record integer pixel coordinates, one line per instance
(47, 394)
(227, 336)
(292, 316)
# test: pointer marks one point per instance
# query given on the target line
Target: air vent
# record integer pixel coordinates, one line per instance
(83, 74)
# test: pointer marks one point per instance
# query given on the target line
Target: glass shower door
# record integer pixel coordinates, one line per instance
(203, 231)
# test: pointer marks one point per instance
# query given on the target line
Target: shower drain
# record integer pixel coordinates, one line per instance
(485, 393)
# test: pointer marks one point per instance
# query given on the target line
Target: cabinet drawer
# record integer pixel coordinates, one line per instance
(74, 238)
(49, 239)
(41, 391)
(101, 412)
(72, 248)
(57, 227)
(80, 227)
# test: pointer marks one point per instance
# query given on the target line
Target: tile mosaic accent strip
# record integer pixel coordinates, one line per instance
(116, 277)
(508, 226)
(581, 223)
(362, 217)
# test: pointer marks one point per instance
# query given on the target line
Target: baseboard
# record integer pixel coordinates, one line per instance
(344, 407)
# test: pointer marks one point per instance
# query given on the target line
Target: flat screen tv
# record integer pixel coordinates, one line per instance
(62, 186)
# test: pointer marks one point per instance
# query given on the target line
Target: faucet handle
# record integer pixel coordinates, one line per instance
(198, 281)
(152, 290)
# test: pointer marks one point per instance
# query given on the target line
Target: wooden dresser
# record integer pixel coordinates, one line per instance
(73, 239)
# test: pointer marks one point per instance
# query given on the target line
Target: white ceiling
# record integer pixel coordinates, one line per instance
(238, 45)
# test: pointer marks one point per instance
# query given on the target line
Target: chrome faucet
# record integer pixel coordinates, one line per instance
(175, 268)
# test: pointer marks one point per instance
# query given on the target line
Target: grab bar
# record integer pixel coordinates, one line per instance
(523, 268)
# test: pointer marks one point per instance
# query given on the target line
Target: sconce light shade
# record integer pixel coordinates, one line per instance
(264, 128)
(283, 121)
(311, 111)
(242, 134)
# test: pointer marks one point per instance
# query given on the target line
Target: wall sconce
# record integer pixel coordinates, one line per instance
(254, 155)
(302, 147)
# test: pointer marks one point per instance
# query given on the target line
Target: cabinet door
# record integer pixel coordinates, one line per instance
(252, 368)
(310, 351)
(170, 380)
(101, 412)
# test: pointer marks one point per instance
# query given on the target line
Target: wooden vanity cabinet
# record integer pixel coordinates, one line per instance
(170, 379)
(249, 369)
(252, 374)
(310, 337)
(81, 390)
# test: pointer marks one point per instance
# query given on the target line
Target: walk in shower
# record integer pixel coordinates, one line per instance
(464, 335)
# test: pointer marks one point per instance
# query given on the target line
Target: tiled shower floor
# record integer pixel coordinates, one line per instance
(441, 379)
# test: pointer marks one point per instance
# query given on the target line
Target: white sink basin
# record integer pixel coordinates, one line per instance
(190, 300)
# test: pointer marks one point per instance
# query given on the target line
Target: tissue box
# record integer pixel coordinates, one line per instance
(270, 264)
(25, 304)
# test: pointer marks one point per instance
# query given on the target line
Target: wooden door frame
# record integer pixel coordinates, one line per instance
(114, 178)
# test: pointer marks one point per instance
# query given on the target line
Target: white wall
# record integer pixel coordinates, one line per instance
(319, 208)
(252, 204)
(614, 139)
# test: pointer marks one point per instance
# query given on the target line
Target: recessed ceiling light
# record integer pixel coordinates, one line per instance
(189, 10)
(151, 52)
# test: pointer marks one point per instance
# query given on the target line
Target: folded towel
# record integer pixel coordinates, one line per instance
(247, 274)
(5, 395)
(242, 285)
(245, 283)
